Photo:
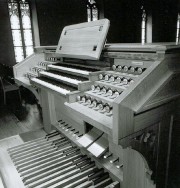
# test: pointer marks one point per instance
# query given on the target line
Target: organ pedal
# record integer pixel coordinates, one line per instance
(53, 161)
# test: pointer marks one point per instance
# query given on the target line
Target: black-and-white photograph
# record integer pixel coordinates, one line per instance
(89, 94)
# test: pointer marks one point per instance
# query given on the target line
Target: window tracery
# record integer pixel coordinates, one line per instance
(20, 20)
(92, 11)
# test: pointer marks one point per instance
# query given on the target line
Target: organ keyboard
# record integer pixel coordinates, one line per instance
(111, 105)
(69, 70)
(55, 86)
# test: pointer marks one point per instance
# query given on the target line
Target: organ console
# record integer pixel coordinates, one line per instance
(108, 111)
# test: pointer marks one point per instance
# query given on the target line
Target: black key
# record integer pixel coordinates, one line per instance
(90, 165)
(95, 174)
(83, 163)
(84, 157)
(51, 134)
(80, 78)
(101, 178)
(72, 152)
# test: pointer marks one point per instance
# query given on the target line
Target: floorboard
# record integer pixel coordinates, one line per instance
(19, 120)
(28, 136)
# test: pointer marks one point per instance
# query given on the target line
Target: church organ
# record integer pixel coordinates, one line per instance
(111, 107)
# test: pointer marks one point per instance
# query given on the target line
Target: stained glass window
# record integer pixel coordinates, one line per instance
(17, 39)
(18, 53)
(88, 13)
(143, 27)
(20, 18)
(92, 11)
(177, 29)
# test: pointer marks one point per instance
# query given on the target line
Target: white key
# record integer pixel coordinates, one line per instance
(51, 86)
(69, 69)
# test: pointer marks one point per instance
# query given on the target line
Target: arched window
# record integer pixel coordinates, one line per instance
(20, 19)
(92, 11)
(177, 29)
(143, 26)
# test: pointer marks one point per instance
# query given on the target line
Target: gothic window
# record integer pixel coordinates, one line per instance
(143, 27)
(20, 19)
(92, 11)
(177, 29)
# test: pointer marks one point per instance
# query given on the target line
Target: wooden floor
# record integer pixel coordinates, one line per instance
(18, 123)
(14, 121)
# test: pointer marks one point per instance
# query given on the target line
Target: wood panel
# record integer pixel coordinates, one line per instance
(48, 110)
(25, 66)
(169, 92)
(136, 171)
(174, 163)
(152, 116)
(123, 122)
